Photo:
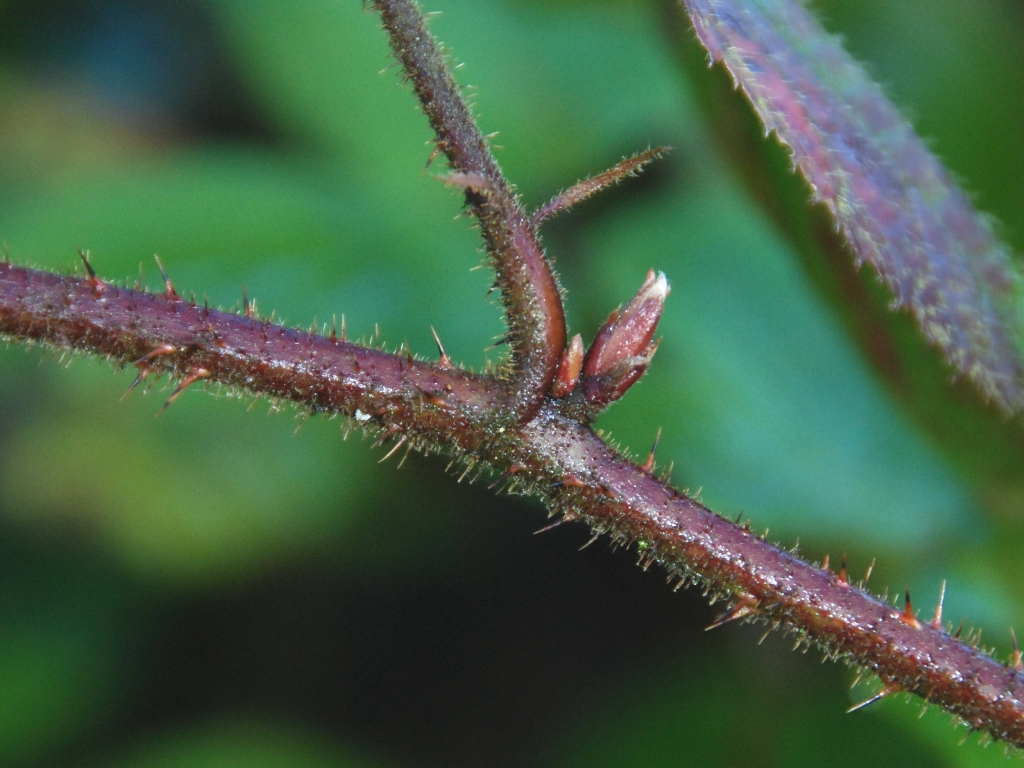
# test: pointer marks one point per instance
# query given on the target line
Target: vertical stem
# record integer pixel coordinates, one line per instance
(530, 292)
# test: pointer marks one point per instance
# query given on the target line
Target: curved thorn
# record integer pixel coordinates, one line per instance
(188, 381)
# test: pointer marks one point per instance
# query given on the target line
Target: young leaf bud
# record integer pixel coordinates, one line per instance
(622, 349)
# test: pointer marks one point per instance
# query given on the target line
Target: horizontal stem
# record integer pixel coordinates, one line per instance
(434, 404)
(564, 462)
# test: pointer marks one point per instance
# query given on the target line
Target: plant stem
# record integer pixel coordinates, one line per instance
(531, 295)
(558, 458)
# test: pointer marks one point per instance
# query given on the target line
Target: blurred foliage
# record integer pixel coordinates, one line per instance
(207, 588)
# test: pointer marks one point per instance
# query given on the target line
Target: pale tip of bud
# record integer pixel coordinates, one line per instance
(569, 367)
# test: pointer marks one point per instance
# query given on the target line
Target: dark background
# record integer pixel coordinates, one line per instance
(222, 587)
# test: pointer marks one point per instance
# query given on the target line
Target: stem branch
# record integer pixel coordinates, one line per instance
(530, 292)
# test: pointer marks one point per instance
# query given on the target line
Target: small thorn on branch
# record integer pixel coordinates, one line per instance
(908, 617)
(514, 469)
(97, 284)
(498, 342)
(195, 375)
(394, 449)
(745, 607)
(888, 690)
(648, 466)
(582, 190)
(168, 285)
(1018, 661)
(936, 622)
(843, 577)
(569, 481)
(444, 361)
(960, 629)
(145, 369)
(867, 576)
(552, 526)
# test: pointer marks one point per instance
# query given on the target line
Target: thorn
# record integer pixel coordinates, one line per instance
(843, 578)
(870, 569)
(824, 564)
(344, 337)
(408, 449)
(192, 378)
(1018, 662)
(648, 466)
(385, 436)
(163, 349)
(956, 635)
(433, 155)
(569, 481)
(506, 475)
(886, 691)
(498, 343)
(908, 617)
(396, 446)
(334, 328)
(143, 373)
(168, 285)
(84, 256)
(547, 528)
(746, 606)
(246, 306)
(738, 517)
(593, 538)
(936, 622)
(445, 361)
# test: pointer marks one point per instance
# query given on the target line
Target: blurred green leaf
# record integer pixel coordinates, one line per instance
(62, 660)
(239, 744)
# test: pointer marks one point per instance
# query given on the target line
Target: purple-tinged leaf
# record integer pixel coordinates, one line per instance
(895, 203)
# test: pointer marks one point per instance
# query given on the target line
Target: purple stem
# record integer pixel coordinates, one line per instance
(561, 460)
(532, 297)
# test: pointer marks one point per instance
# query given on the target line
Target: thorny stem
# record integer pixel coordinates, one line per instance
(434, 407)
(530, 292)
(559, 459)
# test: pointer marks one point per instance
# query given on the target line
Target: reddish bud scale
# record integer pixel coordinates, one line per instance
(569, 367)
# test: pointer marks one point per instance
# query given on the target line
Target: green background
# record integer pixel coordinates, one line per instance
(223, 587)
